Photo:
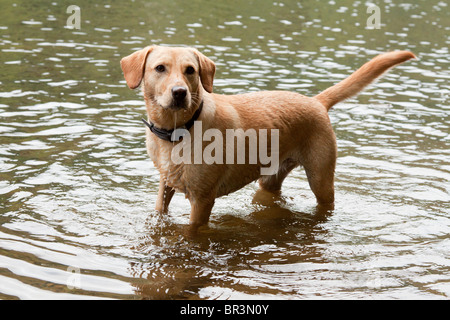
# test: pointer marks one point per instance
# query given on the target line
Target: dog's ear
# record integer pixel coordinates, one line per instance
(133, 66)
(207, 70)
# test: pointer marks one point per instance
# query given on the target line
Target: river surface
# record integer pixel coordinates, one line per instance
(77, 189)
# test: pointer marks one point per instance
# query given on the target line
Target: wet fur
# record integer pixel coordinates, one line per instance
(306, 136)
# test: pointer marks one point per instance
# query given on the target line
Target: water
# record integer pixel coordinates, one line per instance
(77, 189)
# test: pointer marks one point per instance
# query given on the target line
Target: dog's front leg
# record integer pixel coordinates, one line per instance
(201, 210)
(165, 194)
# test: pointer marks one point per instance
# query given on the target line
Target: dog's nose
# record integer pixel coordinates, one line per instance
(179, 93)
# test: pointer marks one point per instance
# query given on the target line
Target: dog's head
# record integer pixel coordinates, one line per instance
(172, 78)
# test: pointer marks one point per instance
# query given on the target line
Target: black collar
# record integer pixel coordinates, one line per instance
(169, 135)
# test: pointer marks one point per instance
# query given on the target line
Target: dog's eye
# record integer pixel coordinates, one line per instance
(190, 70)
(160, 68)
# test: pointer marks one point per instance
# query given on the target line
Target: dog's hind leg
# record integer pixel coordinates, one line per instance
(319, 164)
(273, 183)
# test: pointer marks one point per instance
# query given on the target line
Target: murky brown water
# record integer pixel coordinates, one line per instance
(77, 190)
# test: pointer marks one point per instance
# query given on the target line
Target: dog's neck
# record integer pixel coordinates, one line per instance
(172, 135)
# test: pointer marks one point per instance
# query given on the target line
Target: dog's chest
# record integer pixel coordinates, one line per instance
(173, 174)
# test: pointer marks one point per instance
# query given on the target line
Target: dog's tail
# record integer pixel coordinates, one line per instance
(362, 77)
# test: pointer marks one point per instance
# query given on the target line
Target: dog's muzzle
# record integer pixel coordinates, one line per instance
(179, 94)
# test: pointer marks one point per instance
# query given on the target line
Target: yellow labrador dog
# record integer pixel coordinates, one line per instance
(177, 84)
